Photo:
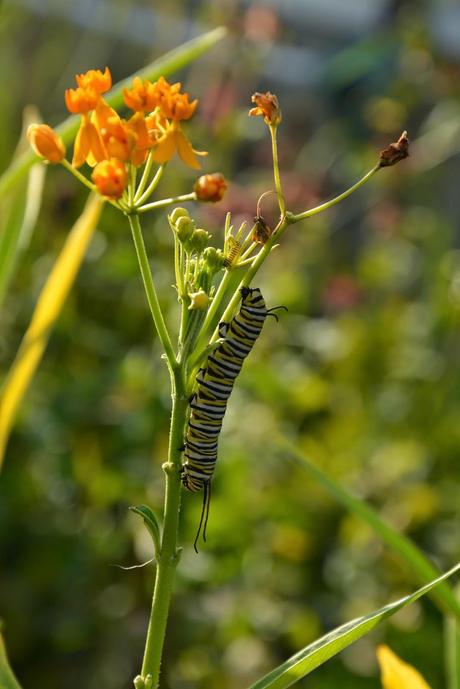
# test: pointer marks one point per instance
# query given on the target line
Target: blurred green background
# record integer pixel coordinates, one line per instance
(363, 372)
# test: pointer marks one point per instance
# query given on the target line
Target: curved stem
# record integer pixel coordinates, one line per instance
(276, 171)
(324, 206)
(150, 291)
(141, 195)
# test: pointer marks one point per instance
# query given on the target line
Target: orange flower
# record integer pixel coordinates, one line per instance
(142, 97)
(81, 100)
(110, 178)
(88, 144)
(96, 80)
(46, 142)
(176, 106)
(210, 187)
(173, 139)
(266, 105)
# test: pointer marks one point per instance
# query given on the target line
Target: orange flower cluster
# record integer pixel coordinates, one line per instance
(155, 125)
(108, 142)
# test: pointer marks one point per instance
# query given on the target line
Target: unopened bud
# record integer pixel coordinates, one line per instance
(214, 258)
(110, 178)
(184, 227)
(199, 240)
(199, 301)
(138, 682)
(46, 143)
(210, 188)
(178, 213)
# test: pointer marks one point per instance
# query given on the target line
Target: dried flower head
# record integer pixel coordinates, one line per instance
(395, 152)
(266, 105)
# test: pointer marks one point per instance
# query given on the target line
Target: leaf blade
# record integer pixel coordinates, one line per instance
(317, 653)
(47, 310)
(7, 677)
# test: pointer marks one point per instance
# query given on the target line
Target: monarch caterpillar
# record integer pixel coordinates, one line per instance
(215, 384)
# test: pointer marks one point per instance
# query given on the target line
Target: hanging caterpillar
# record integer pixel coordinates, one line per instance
(215, 384)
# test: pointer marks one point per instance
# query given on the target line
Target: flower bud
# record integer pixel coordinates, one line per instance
(199, 301)
(138, 682)
(110, 178)
(184, 228)
(199, 240)
(178, 213)
(214, 258)
(46, 143)
(210, 188)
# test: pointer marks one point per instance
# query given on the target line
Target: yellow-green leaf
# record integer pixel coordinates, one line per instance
(7, 678)
(47, 310)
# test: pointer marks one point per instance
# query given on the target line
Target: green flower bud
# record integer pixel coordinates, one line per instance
(185, 228)
(148, 681)
(139, 682)
(214, 258)
(178, 213)
(199, 240)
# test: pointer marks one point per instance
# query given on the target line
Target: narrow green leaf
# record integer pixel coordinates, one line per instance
(423, 569)
(7, 678)
(151, 523)
(20, 209)
(317, 653)
(168, 63)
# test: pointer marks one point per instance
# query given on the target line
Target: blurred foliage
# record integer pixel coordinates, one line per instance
(362, 374)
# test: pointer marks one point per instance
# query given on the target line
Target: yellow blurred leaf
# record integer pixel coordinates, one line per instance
(47, 310)
(396, 674)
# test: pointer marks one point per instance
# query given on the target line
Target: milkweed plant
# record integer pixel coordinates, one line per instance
(124, 158)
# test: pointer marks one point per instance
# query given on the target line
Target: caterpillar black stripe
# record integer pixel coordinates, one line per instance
(214, 386)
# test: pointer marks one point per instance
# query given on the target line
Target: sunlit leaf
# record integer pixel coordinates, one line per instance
(317, 653)
(424, 570)
(167, 64)
(7, 678)
(20, 209)
(151, 522)
(47, 310)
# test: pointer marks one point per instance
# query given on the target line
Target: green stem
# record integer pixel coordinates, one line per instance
(140, 197)
(167, 202)
(324, 206)
(84, 180)
(168, 559)
(145, 177)
(150, 291)
(276, 171)
(452, 652)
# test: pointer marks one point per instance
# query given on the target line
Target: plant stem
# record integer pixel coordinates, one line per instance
(167, 202)
(150, 291)
(141, 195)
(81, 178)
(452, 652)
(168, 559)
(276, 171)
(324, 206)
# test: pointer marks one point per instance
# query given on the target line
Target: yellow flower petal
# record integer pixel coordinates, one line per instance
(396, 674)
(185, 150)
(81, 145)
(165, 147)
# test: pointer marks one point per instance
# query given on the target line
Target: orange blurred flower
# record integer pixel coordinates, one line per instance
(266, 105)
(81, 100)
(46, 143)
(210, 187)
(142, 97)
(96, 80)
(110, 178)
(88, 144)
